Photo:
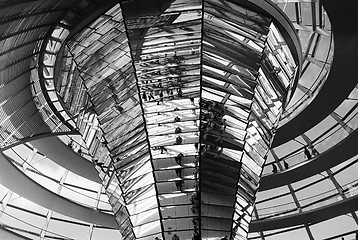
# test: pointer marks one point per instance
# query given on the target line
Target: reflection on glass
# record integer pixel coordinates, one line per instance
(187, 100)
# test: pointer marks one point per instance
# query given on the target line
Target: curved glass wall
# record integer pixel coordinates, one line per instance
(57, 179)
(20, 43)
(338, 126)
(27, 219)
(314, 30)
(329, 187)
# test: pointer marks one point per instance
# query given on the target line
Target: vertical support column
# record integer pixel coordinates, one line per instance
(188, 99)
(166, 46)
(143, 110)
(229, 166)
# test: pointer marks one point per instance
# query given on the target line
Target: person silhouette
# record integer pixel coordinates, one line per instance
(285, 164)
(307, 153)
(196, 235)
(274, 168)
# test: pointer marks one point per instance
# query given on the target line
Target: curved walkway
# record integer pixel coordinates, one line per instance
(310, 217)
(63, 155)
(12, 178)
(342, 78)
(328, 159)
